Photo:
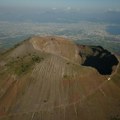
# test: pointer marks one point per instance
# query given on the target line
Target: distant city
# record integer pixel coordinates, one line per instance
(88, 28)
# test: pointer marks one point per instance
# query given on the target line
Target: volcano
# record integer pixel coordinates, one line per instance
(52, 78)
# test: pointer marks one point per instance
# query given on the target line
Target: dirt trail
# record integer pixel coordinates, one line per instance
(47, 91)
(59, 88)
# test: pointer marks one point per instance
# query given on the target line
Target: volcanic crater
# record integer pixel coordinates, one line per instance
(99, 58)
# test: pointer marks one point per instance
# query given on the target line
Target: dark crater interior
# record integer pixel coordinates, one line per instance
(98, 58)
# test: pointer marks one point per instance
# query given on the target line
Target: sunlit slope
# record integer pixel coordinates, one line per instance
(57, 46)
(42, 79)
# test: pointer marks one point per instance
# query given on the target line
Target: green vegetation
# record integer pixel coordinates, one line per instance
(36, 58)
(23, 64)
(67, 63)
(65, 76)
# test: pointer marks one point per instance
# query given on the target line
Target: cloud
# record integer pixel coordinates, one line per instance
(54, 8)
(69, 8)
(114, 10)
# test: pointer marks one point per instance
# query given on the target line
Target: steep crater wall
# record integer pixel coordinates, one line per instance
(99, 58)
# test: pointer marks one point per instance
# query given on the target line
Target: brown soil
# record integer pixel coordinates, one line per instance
(56, 87)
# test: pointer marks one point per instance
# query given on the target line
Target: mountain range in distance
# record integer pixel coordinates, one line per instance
(57, 15)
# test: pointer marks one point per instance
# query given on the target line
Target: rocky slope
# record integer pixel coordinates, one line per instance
(51, 78)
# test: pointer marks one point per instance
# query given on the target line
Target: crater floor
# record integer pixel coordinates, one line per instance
(99, 58)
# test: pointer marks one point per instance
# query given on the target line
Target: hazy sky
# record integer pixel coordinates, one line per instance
(81, 4)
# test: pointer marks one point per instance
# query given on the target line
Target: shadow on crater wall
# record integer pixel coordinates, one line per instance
(100, 59)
